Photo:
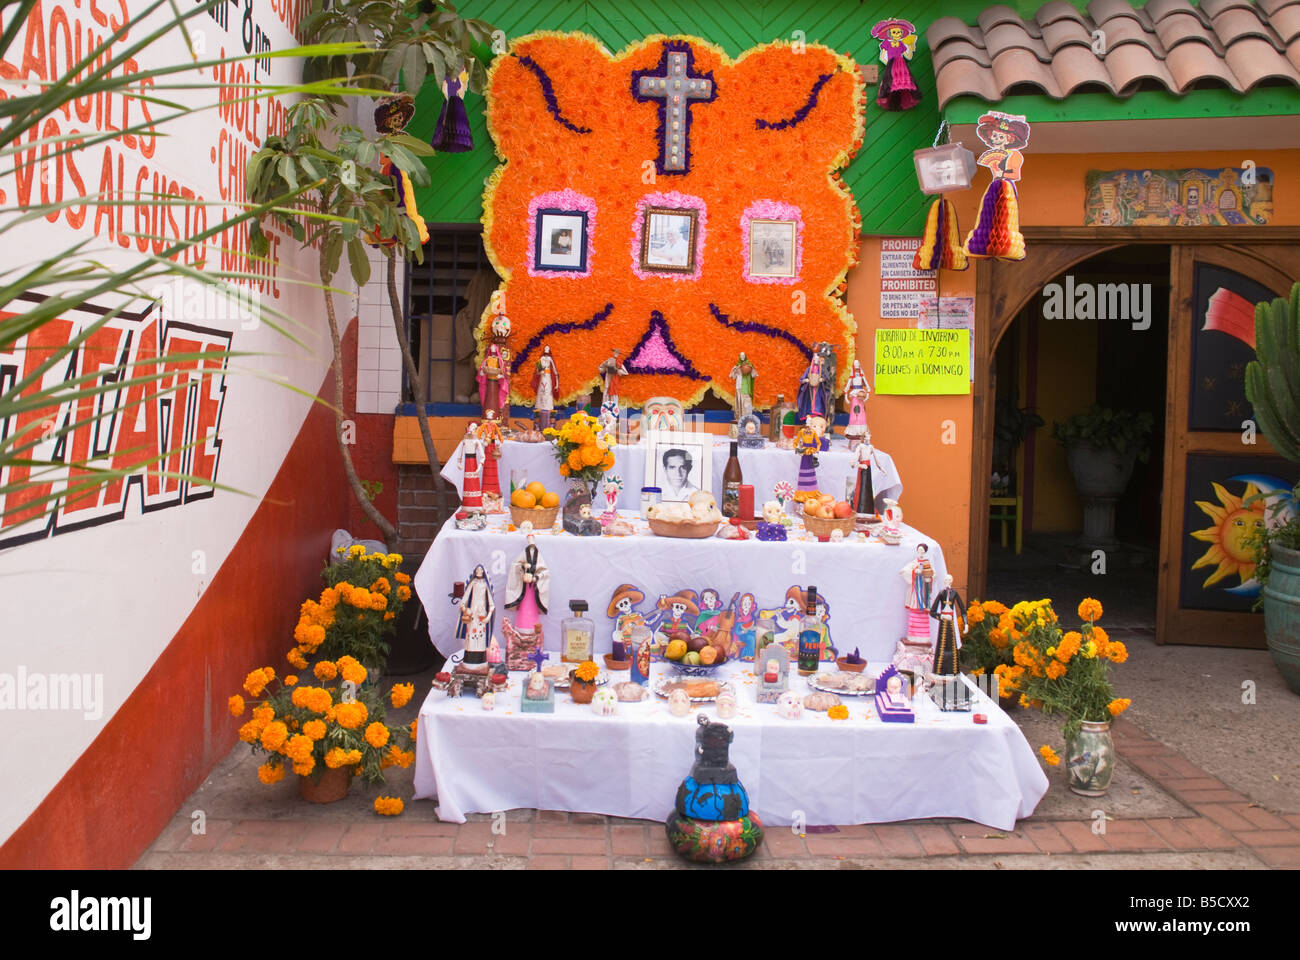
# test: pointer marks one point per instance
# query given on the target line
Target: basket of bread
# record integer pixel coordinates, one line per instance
(822, 515)
(694, 519)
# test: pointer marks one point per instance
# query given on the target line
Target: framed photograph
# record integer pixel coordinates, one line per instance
(561, 240)
(772, 248)
(668, 238)
(678, 463)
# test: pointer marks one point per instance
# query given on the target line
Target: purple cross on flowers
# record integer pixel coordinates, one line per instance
(675, 85)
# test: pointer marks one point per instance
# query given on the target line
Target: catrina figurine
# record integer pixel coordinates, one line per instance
(897, 89)
(452, 134)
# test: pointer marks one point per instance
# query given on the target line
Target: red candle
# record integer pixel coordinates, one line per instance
(746, 501)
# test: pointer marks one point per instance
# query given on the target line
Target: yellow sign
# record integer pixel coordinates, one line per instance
(922, 361)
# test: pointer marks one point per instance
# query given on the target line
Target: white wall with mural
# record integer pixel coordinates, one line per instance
(100, 591)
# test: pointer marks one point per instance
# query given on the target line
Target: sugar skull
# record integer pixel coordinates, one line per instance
(488, 701)
(679, 704)
(790, 706)
(604, 703)
(727, 702)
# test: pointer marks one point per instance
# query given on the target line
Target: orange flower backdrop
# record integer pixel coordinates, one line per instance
(779, 125)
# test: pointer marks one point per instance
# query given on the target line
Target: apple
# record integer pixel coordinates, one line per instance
(843, 510)
(697, 643)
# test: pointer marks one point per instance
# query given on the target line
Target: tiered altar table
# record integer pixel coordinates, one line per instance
(761, 467)
(814, 770)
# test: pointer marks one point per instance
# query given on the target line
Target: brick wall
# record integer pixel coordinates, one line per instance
(418, 516)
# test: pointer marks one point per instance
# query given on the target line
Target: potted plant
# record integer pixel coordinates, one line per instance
(326, 733)
(986, 648)
(582, 681)
(1273, 389)
(1011, 424)
(1101, 447)
(1068, 673)
(356, 614)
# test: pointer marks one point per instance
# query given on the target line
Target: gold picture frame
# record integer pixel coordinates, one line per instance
(668, 239)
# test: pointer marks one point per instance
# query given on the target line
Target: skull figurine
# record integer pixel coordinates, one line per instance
(604, 703)
(488, 701)
(789, 706)
(679, 704)
(727, 702)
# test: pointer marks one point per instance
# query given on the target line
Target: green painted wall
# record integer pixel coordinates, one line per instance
(882, 176)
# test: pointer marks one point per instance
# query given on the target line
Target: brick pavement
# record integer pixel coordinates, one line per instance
(1222, 827)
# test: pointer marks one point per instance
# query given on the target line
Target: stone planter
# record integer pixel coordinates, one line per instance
(1101, 476)
(1282, 613)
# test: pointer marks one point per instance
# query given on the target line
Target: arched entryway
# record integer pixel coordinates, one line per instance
(1005, 289)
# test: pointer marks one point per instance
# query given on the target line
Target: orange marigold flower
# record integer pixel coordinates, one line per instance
(587, 671)
(403, 593)
(291, 681)
(975, 613)
(998, 639)
(263, 713)
(1049, 755)
(351, 715)
(314, 729)
(353, 672)
(299, 748)
(1055, 670)
(993, 608)
(377, 735)
(1116, 651)
(270, 773)
(414, 727)
(336, 758)
(401, 577)
(255, 683)
(274, 735)
(315, 699)
(236, 705)
(1090, 609)
(838, 712)
(1069, 646)
(388, 806)
(401, 694)
(398, 757)
(378, 601)
(304, 767)
(325, 670)
(382, 586)
(296, 658)
(390, 615)
(1118, 706)
(251, 731)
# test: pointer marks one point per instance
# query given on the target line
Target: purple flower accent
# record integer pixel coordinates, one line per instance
(548, 91)
(801, 114)
(566, 327)
(655, 353)
(749, 326)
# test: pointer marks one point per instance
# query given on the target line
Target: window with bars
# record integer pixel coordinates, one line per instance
(445, 297)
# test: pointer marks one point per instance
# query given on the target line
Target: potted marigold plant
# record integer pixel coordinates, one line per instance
(325, 732)
(356, 614)
(986, 648)
(582, 681)
(1068, 673)
(585, 451)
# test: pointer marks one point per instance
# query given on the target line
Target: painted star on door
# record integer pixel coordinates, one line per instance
(675, 204)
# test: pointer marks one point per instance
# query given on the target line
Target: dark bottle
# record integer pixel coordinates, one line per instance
(810, 637)
(731, 480)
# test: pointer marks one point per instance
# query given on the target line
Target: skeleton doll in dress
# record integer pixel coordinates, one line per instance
(856, 394)
(470, 461)
(477, 612)
(914, 652)
(528, 593)
(947, 609)
(546, 383)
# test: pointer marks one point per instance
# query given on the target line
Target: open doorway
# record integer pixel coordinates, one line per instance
(1096, 335)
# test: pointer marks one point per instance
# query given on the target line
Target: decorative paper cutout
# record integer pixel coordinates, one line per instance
(569, 84)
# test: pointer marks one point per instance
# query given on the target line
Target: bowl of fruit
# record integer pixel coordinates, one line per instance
(694, 655)
(535, 504)
(824, 515)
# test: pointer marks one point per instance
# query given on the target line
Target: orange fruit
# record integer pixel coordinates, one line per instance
(537, 489)
(550, 499)
(514, 497)
(525, 499)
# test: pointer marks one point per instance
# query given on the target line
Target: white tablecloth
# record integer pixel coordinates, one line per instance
(858, 770)
(762, 468)
(860, 582)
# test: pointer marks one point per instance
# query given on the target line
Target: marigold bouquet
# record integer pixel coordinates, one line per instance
(337, 723)
(987, 644)
(357, 611)
(584, 451)
(1066, 672)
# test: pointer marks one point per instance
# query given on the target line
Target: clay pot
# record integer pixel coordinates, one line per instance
(851, 667)
(331, 785)
(580, 691)
(612, 664)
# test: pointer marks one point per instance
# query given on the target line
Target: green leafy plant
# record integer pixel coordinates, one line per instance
(1122, 431)
(1273, 389)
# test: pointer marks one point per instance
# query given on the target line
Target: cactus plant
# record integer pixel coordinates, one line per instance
(1273, 380)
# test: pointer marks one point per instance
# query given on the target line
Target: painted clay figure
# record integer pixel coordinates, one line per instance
(494, 380)
(470, 462)
(743, 374)
(528, 588)
(489, 435)
(897, 90)
(546, 384)
(477, 612)
(948, 610)
(856, 394)
(864, 494)
(812, 389)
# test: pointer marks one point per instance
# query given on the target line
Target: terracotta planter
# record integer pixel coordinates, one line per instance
(330, 786)
(580, 691)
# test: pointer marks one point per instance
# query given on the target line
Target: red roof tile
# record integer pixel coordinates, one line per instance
(1235, 43)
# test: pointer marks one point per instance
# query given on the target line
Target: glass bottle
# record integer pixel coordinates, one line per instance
(810, 637)
(576, 634)
(777, 412)
(731, 478)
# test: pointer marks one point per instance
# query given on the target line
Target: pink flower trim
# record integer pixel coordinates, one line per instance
(773, 210)
(569, 200)
(671, 199)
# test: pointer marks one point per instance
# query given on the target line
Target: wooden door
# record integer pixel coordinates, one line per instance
(1210, 464)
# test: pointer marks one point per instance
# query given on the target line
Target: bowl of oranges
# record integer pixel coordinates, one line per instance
(535, 504)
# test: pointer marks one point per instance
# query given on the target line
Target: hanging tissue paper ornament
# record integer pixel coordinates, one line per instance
(997, 229)
(452, 134)
(941, 244)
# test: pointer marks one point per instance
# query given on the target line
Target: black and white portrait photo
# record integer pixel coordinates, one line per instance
(678, 463)
(560, 242)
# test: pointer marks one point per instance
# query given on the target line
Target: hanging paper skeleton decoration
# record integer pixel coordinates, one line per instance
(897, 89)
(391, 116)
(452, 134)
(997, 230)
